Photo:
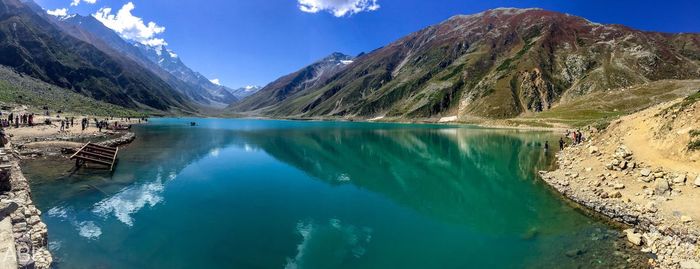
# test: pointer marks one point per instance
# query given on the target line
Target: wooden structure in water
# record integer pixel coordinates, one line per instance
(95, 154)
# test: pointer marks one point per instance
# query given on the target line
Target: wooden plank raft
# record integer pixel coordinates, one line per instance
(96, 154)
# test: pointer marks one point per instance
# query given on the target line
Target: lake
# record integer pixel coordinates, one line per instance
(289, 194)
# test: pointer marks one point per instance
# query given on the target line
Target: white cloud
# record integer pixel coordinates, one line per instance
(338, 8)
(59, 12)
(216, 81)
(77, 2)
(131, 27)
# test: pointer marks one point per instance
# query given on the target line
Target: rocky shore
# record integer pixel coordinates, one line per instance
(124, 139)
(634, 194)
(30, 233)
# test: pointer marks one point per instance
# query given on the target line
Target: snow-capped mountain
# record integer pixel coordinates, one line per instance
(244, 92)
(160, 60)
(169, 61)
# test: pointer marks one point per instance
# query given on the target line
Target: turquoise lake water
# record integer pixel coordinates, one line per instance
(287, 194)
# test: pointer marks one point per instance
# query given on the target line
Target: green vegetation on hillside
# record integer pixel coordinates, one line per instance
(599, 108)
(23, 90)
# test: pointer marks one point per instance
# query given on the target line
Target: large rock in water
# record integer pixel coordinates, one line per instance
(662, 187)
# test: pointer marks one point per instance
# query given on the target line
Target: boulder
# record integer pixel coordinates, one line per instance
(619, 186)
(615, 194)
(686, 219)
(697, 181)
(623, 165)
(661, 187)
(680, 179)
(658, 174)
(633, 237)
(615, 162)
(593, 150)
(25, 260)
(645, 172)
(622, 152)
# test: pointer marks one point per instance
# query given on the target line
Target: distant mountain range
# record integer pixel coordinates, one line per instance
(159, 60)
(31, 44)
(500, 63)
(153, 77)
(243, 92)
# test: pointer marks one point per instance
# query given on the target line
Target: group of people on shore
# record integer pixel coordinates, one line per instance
(575, 136)
(16, 120)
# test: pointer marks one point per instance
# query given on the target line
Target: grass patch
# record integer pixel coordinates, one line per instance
(506, 64)
(688, 101)
(694, 133)
(694, 145)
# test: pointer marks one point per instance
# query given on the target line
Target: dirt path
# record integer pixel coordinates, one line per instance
(668, 150)
(639, 171)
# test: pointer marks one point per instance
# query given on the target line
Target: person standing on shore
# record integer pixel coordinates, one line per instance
(2, 137)
(17, 121)
(579, 137)
(561, 143)
(546, 146)
(63, 125)
(11, 118)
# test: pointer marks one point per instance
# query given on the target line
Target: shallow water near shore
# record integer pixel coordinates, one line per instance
(286, 194)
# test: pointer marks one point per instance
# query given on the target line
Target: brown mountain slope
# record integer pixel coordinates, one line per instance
(497, 64)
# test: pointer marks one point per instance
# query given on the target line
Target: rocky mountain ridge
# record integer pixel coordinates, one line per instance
(499, 63)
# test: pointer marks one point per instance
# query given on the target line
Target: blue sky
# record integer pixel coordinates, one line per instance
(252, 42)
